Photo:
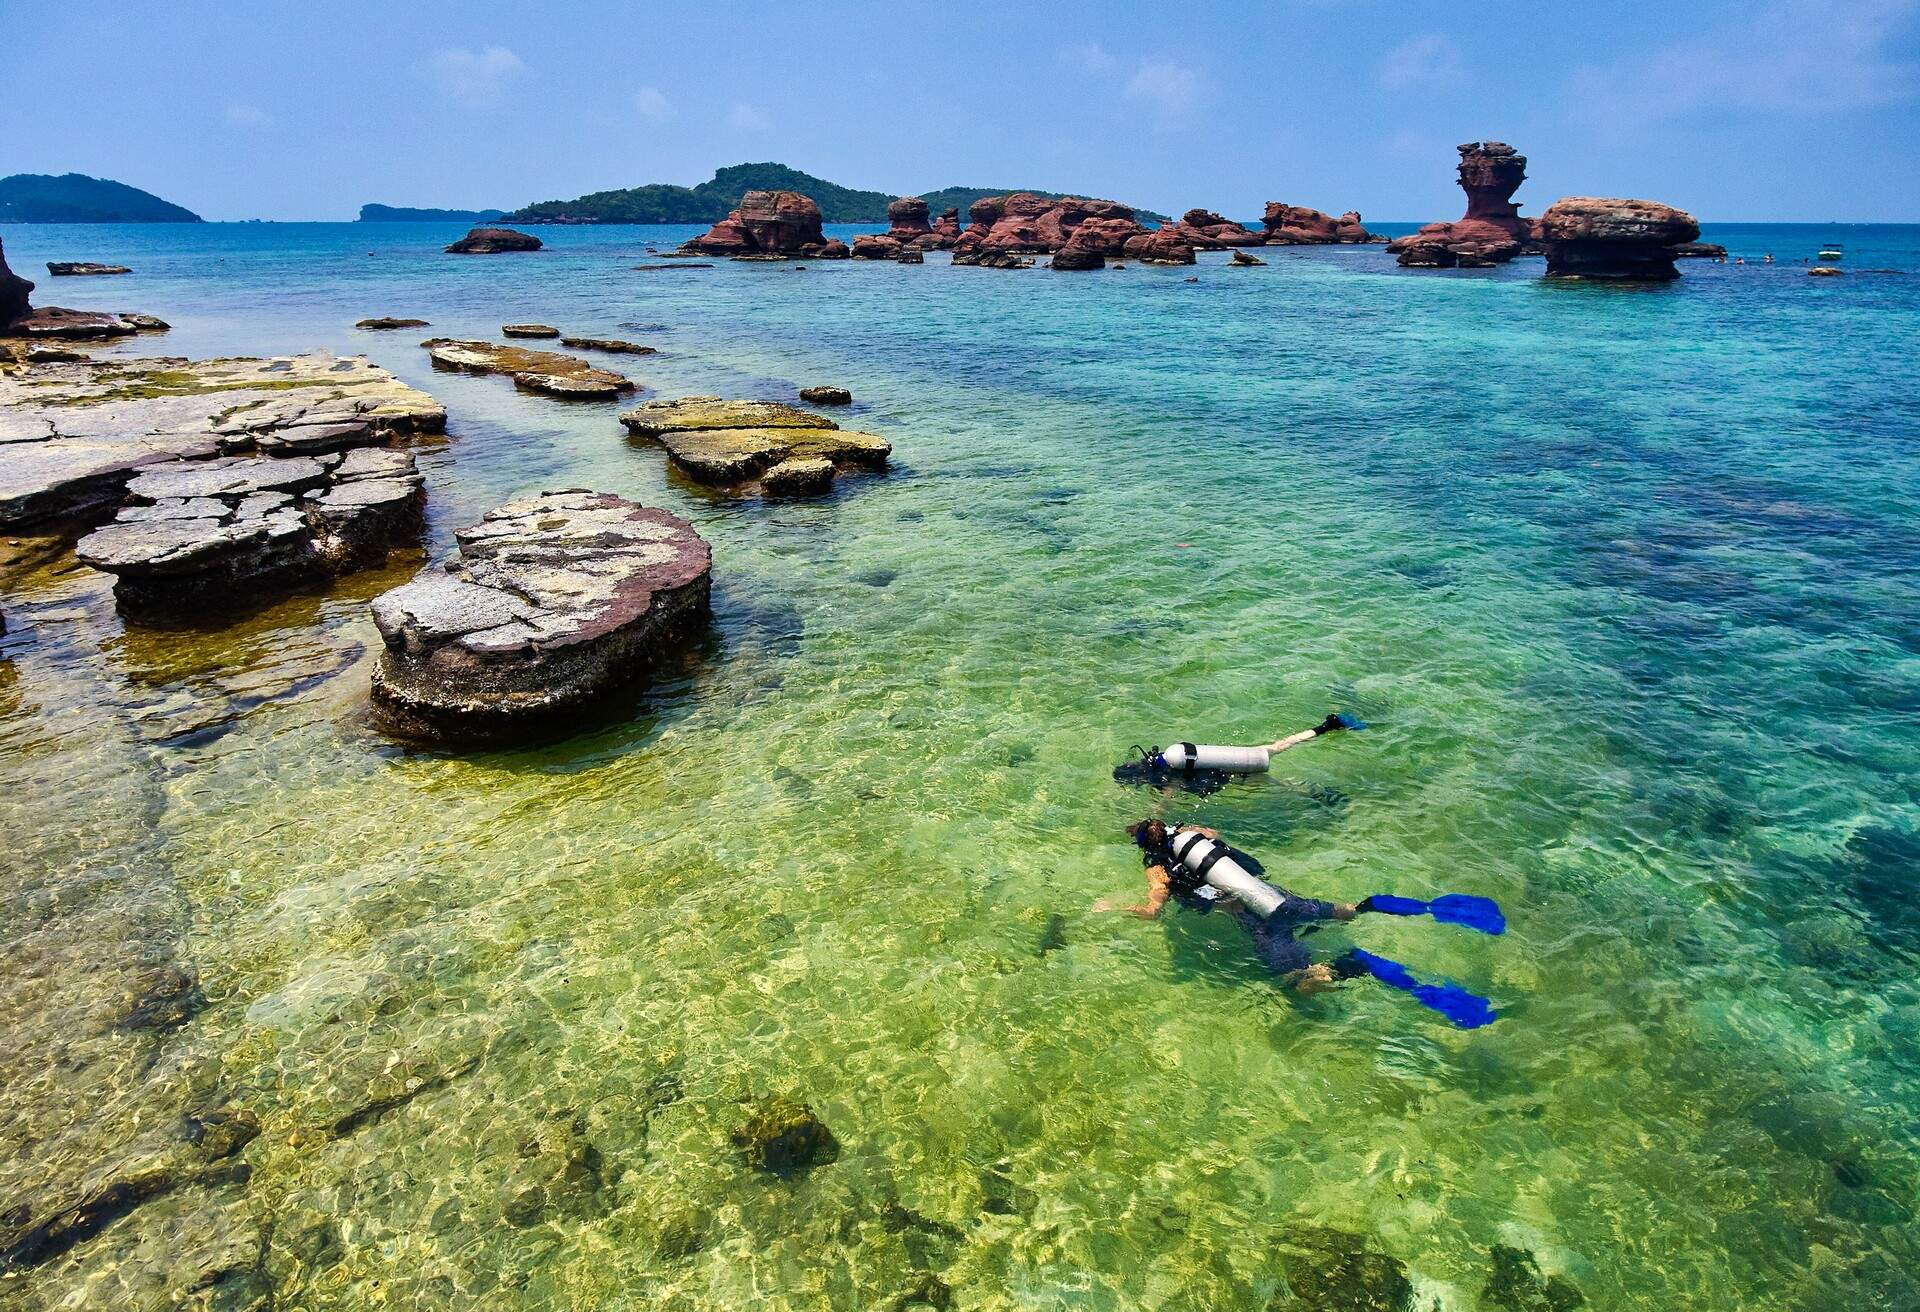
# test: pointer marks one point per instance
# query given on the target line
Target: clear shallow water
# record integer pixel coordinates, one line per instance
(1625, 580)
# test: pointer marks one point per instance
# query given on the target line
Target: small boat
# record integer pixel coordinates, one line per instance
(1831, 251)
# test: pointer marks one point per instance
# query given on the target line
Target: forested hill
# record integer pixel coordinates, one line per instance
(371, 213)
(663, 202)
(77, 198)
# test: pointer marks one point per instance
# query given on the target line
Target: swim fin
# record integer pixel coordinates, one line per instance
(1481, 913)
(1468, 1011)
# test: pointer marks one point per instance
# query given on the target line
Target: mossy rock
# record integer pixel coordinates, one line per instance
(783, 1137)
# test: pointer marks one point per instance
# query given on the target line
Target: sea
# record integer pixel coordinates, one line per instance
(1623, 581)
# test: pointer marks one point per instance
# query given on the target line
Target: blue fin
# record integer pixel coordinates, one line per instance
(1481, 913)
(1348, 721)
(1467, 1010)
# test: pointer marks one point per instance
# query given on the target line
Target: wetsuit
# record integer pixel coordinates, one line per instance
(1273, 936)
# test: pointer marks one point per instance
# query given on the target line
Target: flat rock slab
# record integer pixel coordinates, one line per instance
(73, 434)
(798, 476)
(735, 443)
(551, 603)
(237, 530)
(529, 330)
(610, 344)
(384, 323)
(81, 325)
(83, 268)
(546, 372)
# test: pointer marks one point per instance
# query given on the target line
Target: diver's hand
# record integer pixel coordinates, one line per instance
(1331, 724)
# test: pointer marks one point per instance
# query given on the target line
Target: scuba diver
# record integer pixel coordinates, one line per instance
(1192, 866)
(1205, 769)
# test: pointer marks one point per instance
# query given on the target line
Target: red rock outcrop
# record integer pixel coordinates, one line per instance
(13, 293)
(1491, 231)
(1086, 249)
(1600, 237)
(944, 233)
(907, 220)
(1163, 246)
(1027, 224)
(876, 246)
(1207, 231)
(1297, 225)
(494, 241)
(771, 223)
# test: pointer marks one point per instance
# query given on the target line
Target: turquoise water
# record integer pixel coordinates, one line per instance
(1626, 581)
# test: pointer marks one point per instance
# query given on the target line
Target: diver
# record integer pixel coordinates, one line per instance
(1191, 865)
(1205, 769)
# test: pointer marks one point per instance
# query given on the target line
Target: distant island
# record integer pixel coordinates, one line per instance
(405, 214)
(665, 202)
(77, 198)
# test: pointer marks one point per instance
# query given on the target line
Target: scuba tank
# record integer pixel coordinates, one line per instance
(1212, 860)
(1228, 760)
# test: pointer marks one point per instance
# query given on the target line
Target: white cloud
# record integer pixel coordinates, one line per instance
(1091, 57)
(476, 78)
(246, 116)
(1793, 56)
(652, 105)
(748, 118)
(1423, 63)
(1173, 87)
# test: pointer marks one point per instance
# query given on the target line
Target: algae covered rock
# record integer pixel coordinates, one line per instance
(550, 603)
(1516, 1285)
(783, 1137)
(826, 396)
(735, 443)
(798, 476)
(529, 330)
(612, 345)
(547, 372)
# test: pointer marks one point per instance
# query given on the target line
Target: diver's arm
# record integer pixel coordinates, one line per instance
(1328, 725)
(1157, 894)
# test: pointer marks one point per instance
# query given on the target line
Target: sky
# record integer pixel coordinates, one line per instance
(1785, 110)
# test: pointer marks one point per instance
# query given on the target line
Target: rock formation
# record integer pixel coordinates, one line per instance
(1204, 230)
(735, 443)
(229, 532)
(769, 223)
(907, 220)
(549, 604)
(1492, 231)
(75, 438)
(14, 291)
(1699, 250)
(1296, 225)
(546, 372)
(1599, 237)
(528, 330)
(826, 396)
(494, 241)
(1086, 249)
(82, 268)
(876, 246)
(1025, 224)
(944, 232)
(383, 324)
(1246, 260)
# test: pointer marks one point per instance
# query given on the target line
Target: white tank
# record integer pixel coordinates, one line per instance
(1229, 760)
(1192, 850)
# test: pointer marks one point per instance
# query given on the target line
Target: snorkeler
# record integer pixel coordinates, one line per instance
(1209, 766)
(1192, 866)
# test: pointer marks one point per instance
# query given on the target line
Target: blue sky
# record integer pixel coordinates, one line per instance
(1772, 109)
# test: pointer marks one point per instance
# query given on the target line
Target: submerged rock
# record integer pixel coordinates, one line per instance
(230, 532)
(494, 241)
(83, 268)
(783, 1137)
(1246, 260)
(1332, 1271)
(1699, 250)
(546, 372)
(826, 396)
(1516, 1285)
(73, 434)
(529, 330)
(550, 603)
(382, 324)
(612, 345)
(734, 443)
(798, 476)
(1491, 231)
(1600, 237)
